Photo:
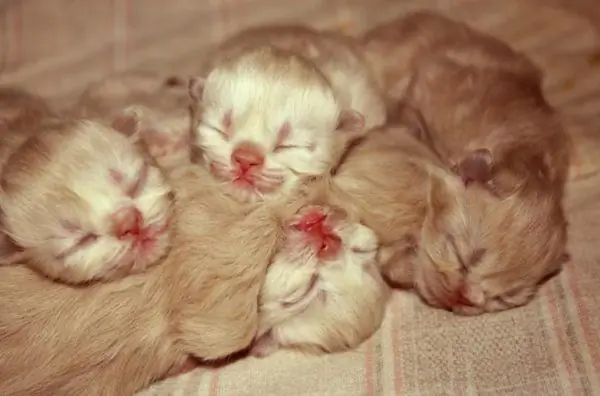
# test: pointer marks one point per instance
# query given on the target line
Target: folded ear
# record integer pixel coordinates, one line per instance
(128, 122)
(476, 166)
(196, 88)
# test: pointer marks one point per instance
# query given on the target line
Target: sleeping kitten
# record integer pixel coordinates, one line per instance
(462, 248)
(323, 291)
(325, 278)
(115, 338)
(82, 202)
(281, 104)
(482, 101)
(160, 104)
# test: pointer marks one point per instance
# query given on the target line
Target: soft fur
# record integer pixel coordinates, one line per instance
(321, 305)
(486, 115)
(160, 103)
(461, 247)
(293, 96)
(71, 191)
(116, 338)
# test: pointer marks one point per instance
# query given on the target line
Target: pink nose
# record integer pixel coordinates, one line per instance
(247, 156)
(128, 223)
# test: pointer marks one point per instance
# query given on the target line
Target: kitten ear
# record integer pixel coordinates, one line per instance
(128, 122)
(350, 121)
(476, 166)
(195, 88)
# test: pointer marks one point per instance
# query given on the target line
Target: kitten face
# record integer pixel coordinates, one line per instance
(268, 120)
(92, 209)
(322, 300)
(480, 254)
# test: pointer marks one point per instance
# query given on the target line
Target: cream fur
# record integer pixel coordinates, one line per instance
(116, 338)
(268, 76)
(57, 190)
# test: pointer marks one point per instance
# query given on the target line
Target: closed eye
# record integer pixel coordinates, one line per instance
(284, 147)
(138, 186)
(217, 130)
(80, 244)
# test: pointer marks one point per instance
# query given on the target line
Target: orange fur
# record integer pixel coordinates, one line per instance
(476, 252)
(486, 115)
(116, 338)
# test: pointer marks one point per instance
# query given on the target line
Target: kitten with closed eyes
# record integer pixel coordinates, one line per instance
(323, 292)
(281, 104)
(460, 247)
(81, 201)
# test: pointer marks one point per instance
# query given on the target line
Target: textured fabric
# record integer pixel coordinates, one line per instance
(550, 347)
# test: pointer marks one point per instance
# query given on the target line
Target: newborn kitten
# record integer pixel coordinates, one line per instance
(482, 101)
(113, 339)
(82, 202)
(323, 291)
(324, 281)
(281, 104)
(161, 104)
(464, 249)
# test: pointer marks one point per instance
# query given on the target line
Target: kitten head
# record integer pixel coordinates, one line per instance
(481, 253)
(268, 120)
(322, 305)
(82, 202)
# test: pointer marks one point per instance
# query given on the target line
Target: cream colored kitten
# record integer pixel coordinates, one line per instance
(82, 202)
(281, 104)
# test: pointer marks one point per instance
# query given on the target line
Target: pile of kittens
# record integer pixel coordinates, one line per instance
(272, 201)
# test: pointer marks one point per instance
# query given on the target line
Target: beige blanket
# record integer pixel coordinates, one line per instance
(551, 347)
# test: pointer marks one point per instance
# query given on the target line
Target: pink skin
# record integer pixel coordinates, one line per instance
(317, 227)
(247, 170)
(443, 291)
(247, 163)
(129, 225)
(161, 145)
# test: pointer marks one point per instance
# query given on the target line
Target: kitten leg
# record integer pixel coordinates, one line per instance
(167, 147)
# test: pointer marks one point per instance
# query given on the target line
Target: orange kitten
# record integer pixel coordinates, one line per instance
(460, 246)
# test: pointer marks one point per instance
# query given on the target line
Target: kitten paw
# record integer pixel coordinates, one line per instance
(318, 226)
(264, 346)
(161, 145)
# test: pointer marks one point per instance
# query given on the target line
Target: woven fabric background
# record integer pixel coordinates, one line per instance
(550, 347)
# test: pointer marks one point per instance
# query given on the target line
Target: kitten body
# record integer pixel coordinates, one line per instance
(321, 304)
(461, 247)
(482, 101)
(116, 338)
